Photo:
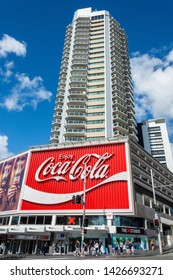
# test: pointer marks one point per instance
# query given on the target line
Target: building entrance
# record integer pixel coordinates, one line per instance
(60, 247)
(28, 246)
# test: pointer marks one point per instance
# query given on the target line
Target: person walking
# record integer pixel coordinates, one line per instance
(121, 247)
(44, 249)
(116, 247)
(96, 247)
(152, 245)
(100, 247)
(77, 248)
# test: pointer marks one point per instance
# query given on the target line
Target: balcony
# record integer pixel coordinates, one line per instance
(56, 123)
(79, 108)
(76, 115)
(74, 132)
(75, 123)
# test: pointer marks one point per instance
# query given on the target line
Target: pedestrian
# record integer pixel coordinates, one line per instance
(96, 247)
(77, 248)
(121, 247)
(116, 247)
(133, 248)
(100, 247)
(90, 246)
(127, 247)
(152, 245)
(44, 249)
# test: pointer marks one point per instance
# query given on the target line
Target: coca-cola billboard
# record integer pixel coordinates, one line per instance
(54, 176)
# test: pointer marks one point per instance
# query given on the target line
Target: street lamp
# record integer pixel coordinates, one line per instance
(77, 199)
(156, 214)
(83, 219)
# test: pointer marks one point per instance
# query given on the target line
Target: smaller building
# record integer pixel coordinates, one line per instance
(153, 137)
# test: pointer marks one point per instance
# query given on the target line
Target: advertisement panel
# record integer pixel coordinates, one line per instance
(11, 176)
(54, 176)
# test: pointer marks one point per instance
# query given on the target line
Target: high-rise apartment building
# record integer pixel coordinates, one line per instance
(153, 136)
(94, 96)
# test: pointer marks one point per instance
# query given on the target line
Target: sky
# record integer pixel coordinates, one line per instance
(32, 36)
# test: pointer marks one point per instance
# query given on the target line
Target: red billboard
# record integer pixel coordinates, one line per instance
(55, 175)
(11, 177)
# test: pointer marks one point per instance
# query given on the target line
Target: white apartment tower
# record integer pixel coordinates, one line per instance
(153, 136)
(94, 96)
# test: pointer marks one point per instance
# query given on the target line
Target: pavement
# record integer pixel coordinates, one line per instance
(138, 254)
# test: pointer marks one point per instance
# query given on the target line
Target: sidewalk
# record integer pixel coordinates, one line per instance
(140, 253)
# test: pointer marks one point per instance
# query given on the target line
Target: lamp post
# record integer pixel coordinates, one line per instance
(83, 215)
(156, 214)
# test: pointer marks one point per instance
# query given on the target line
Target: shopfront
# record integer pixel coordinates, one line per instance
(136, 235)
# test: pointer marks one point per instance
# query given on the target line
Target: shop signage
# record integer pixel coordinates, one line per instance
(54, 176)
(130, 230)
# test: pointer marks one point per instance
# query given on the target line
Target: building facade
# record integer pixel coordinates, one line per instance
(36, 190)
(153, 136)
(94, 96)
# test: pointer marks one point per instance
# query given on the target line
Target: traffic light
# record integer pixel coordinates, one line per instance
(156, 223)
(76, 199)
(85, 222)
(73, 199)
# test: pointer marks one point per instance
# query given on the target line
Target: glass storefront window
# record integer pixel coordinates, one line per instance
(48, 220)
(31, 220)
(128, 221)
(40, 220)
(15, 220)
(4, 221)
(24, 220)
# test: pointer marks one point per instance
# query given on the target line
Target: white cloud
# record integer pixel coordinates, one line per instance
(26, 92)
(9, 44)
(4, 153)
(22, 91)
(153, 85)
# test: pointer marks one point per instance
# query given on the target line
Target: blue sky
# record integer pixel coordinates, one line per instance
(31, 43)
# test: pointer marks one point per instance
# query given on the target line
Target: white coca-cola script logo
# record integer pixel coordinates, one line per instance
(81, 168)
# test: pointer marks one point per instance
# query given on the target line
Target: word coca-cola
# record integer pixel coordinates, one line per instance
(81, 168)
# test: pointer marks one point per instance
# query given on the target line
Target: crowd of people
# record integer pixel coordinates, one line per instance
(121, 247)
(94, 247)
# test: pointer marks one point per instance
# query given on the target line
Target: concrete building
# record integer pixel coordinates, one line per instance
(36, 190)
(94, 96)
(153, 136)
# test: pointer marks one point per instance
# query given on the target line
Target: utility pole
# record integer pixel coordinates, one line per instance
(156, 214)
(83, 216)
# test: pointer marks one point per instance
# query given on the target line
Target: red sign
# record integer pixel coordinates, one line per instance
(54, 176)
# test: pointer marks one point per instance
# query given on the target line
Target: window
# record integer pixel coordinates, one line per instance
(96, 106)
(160, 158)
(24, 220)
(95, 130)
(15, 220)
(4, 221)
(97, 17)
(96, 114)
(95, 138)
(95, 121)
(96, 99)
(40, 220)
(146, 201)
(31, 220)
(157, 128)
(48, 220)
